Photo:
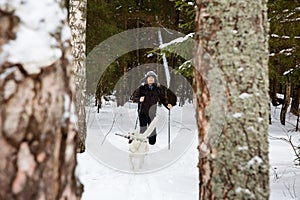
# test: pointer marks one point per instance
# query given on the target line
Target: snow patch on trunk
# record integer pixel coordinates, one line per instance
(237, 115)
(255, 160)
(35, 45)
(245, 95)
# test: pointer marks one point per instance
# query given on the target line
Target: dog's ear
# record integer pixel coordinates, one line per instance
(134, 131)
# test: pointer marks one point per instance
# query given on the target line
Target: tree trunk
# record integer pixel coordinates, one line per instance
(231, 80)
(297, 123)
(77, 21)
(286, 103)
(295, 101)
(273, 92)
(38, 134)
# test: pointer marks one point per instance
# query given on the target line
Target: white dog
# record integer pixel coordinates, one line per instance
(139, 146)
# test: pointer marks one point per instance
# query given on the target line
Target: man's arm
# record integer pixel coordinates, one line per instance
(136, 95)
(163, 99)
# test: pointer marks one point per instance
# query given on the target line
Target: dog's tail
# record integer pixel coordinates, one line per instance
(150, 128)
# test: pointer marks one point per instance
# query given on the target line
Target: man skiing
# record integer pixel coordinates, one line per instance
(148, 95)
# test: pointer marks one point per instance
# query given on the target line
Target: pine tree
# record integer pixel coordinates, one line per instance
(231, 80)
(284, 53)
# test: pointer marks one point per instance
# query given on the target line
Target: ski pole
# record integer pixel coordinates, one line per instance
(169, 132)
(139, 111)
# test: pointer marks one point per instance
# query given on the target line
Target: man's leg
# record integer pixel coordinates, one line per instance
(144, 121)
(152, 137)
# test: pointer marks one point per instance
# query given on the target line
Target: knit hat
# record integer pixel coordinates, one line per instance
(151, 73)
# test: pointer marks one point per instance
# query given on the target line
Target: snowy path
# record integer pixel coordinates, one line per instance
(176, 179)
(167, 174)
(179, 181)
(284, 175)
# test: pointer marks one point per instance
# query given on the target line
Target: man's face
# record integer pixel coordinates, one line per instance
(150, 80)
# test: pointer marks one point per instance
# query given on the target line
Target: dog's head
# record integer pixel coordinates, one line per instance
(133, 133)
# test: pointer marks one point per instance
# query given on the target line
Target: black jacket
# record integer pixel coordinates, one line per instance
(153, 95)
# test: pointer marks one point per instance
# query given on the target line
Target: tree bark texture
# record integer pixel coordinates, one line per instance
(231, 60)
(77, 21)
(38, 134)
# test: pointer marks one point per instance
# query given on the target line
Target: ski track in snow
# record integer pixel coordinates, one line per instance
(284, 175)
(178, 180)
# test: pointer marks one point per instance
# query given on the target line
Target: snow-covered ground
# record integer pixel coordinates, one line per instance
(284, 175)
(167, 174)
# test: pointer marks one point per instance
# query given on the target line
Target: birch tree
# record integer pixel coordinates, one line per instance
(38, 135)
(77, 21)
(232, 51)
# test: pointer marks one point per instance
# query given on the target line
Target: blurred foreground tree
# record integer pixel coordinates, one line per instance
(231, 81)
(38, 134)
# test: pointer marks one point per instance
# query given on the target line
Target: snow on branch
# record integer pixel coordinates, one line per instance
(186, 64)
(290, 14)
(290, 20)
(283, 36)
(36, 44)
(286, 52)
(177, 40)
(290, 71)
